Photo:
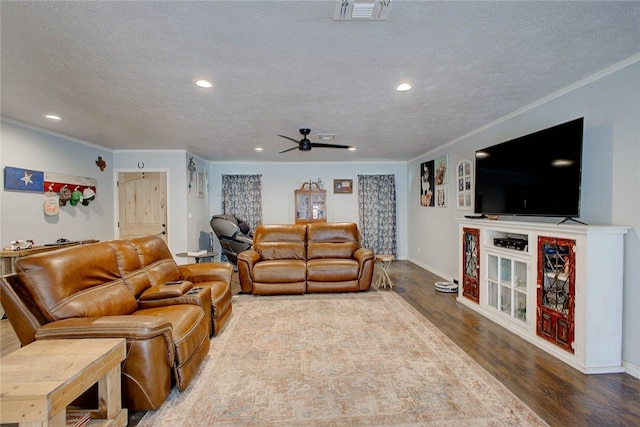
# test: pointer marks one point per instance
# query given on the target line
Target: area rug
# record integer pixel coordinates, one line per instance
(358, 359)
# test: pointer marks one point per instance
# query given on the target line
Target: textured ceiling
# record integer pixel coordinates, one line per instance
(121, 73)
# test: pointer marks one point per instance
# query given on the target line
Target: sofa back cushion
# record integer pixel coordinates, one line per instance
(79, 281)
(280, 241)
(156, 260)
(332, 240)
(130, 267)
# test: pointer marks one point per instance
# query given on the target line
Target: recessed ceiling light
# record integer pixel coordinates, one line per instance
(403, 87)
(258, 148)
(205, 84)
(52, 117)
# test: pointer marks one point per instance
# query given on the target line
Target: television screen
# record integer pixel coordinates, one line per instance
(537, 174)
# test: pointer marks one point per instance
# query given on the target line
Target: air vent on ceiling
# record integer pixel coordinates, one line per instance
(361, 10)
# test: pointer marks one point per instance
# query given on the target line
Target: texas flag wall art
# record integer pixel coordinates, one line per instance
(23, 179)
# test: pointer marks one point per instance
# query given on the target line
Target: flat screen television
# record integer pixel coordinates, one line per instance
(537, 174)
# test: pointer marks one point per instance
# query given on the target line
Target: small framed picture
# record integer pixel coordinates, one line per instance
(343, 186)
(201, 184)
(441, 196)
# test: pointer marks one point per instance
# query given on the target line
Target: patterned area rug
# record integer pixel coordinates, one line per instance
(360, 359)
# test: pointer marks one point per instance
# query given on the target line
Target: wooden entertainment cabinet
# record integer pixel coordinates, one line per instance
(557, 286)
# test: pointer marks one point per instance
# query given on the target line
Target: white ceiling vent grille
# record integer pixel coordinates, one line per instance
(359, 10)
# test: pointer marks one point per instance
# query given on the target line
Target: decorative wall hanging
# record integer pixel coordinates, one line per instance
(68, 188)
(426, 183)
(464, 178)
(192, 172)
(101, 163)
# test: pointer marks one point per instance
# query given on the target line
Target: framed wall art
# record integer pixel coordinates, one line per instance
(464, 185)
(441, 196)
(442, 170)
(343, 186)
(426, 183)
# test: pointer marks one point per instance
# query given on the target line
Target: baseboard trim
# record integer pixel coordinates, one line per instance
(631, 369)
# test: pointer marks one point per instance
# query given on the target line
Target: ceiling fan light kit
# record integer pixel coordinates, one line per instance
(305, 144)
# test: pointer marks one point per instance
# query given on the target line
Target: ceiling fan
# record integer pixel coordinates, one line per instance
(305, 145)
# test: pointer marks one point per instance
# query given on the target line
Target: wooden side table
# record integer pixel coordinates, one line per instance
(383, 261)
(40, 380)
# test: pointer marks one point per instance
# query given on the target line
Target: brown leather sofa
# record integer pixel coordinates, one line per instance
(305, 258)
(118, 289)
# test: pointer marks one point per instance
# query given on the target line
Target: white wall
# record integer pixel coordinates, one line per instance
(610, 104)
(197, 208)
(22, 212)
(280, 180)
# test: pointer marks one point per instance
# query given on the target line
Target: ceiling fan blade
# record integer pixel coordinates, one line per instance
(289, 149)
(290, 139)
(321, 144)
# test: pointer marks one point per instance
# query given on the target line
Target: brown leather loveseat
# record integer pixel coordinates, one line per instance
(305, 258)
(118, 289)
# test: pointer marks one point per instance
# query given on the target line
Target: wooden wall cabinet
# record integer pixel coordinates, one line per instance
(311, 204)
(561, 290)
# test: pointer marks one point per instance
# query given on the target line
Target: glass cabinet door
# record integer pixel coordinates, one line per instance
(302, 207)
(507, 286)
(471, 264)
(556, 291)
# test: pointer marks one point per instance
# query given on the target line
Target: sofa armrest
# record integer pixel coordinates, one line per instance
(166, 290)
(132, 328)
(246, 262)
(207, 272)
(363, 254)
(366, 260)
(123, 326)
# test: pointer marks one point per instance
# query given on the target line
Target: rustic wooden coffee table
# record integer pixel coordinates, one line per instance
(39, 381)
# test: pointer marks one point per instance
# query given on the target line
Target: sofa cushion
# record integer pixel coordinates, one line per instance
(130, 267)
(156, 259)
(79, 281)
(332, 270)
(280, 271)
(332, 240)
(275, 242)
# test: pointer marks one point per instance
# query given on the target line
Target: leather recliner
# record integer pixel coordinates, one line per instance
(119, 289)
(234, 234)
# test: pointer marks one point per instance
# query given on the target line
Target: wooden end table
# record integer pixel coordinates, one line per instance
(39, 381)
(383, 261)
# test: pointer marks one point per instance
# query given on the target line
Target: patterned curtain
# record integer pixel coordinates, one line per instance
(242, 197)
(377, 213)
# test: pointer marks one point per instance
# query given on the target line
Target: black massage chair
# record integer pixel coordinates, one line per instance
(234, 234)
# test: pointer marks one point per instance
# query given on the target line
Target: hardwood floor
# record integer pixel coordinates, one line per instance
(561, 395)
(558, 393)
